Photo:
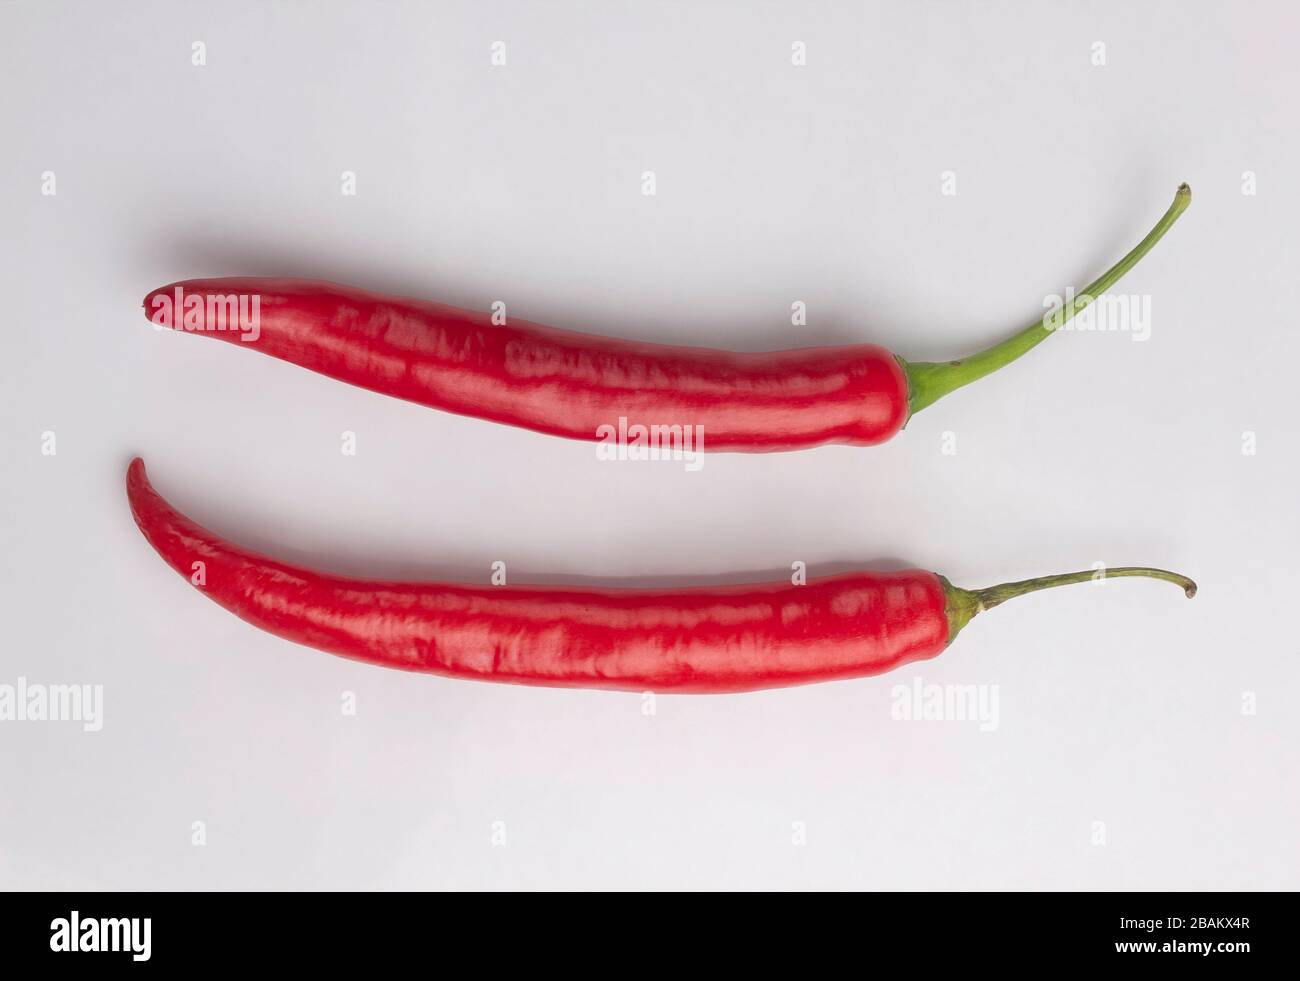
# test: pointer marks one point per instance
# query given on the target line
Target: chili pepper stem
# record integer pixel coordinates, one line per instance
(964, 604)
(929, 381)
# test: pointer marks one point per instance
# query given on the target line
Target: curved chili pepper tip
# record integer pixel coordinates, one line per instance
(158, 313)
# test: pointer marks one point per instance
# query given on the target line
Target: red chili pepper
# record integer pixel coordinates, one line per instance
(712, 639)
(581, 386)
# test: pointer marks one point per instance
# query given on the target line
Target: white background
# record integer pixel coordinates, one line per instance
(1120, 705)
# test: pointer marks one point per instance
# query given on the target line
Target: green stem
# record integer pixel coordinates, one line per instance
(929, 381)
(964, 604)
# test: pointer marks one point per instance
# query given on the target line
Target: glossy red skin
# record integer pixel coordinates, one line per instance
(562, 382)
(699, 640)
